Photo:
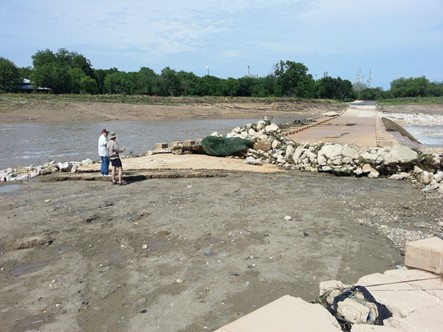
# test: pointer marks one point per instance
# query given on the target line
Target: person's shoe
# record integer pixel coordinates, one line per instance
(114, 182)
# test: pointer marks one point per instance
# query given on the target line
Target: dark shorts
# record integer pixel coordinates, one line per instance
(116, 162)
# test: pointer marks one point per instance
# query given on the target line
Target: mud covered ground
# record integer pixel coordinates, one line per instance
(15, 109)
(190, 253)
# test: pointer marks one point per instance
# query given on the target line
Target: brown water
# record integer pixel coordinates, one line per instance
(26, 144)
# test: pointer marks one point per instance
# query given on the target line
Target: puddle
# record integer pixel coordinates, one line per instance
(22, 269)
(9, 187)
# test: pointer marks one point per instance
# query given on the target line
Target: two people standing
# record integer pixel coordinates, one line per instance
(109, 152)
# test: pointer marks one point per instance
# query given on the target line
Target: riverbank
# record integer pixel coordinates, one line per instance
(72, 108)
(65, 109)
(192, 252)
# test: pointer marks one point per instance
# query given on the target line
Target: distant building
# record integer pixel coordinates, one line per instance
(26, 87)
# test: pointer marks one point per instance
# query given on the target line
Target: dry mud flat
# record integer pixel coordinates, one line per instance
(14, 110)
(191, 253)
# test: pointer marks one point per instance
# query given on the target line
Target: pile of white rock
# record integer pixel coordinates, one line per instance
(420, 119)
(397, 162)
(28, 172)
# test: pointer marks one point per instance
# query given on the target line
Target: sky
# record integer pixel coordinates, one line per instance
(371, 41)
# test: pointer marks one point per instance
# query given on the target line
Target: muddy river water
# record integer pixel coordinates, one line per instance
(25, 144)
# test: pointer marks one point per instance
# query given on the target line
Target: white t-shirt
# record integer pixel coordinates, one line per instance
(102, 151)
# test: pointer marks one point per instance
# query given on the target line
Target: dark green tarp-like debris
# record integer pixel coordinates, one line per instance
(224, 146)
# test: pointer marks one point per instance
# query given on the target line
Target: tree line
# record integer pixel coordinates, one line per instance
(66, 72)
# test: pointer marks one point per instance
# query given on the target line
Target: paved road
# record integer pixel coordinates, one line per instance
(359, 125)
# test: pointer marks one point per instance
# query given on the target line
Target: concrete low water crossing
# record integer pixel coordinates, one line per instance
(25, 144)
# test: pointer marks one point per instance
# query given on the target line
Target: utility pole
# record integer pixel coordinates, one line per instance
(370, 78)
(358, 86)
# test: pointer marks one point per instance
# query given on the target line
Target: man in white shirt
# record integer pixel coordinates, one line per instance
(103, 153)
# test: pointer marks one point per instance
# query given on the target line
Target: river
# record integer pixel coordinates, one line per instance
(26, 144)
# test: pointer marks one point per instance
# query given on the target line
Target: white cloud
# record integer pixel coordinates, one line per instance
(133, 33)
(232, 54)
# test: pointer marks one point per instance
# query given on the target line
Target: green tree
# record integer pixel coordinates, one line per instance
(230, 87)
(436, 89)
(88, 85)
(246, 86)
(410, 87)
(372, 94)
(52, 76)
(119, 83)
(100, 75)
(293, 79)
(41, 58)
(269, 84)
(213, 85)
(345, 90)
(146, 82)
(75, 78)
(327, 88)
(171, 82)
(25, 72)
(334, 88)
(189, 83)
(61, 71)
(9, 75)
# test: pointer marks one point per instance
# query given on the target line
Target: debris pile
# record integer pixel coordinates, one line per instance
(398, 162)
(28, 172)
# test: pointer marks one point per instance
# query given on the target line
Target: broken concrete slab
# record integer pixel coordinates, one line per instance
(287, 314)
(161, 146)
(426, 254)
(413, 297)
(373, 328)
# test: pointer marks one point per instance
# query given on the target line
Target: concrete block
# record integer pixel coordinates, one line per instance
(188, 143)
(262, 145)
(161, 145)
(425, 255)
(176, 144)
(285, 314)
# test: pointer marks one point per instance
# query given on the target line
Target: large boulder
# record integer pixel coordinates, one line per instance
(331, 150)
(400, 154)
(272, 128)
